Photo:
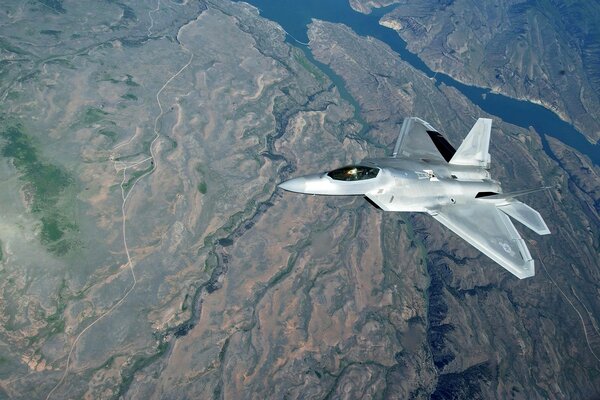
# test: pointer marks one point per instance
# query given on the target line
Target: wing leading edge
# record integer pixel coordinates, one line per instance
(417, 139)
(491, 232)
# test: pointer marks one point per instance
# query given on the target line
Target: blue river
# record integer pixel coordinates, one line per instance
(295, 15)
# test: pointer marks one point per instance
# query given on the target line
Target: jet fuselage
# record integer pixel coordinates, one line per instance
(401, 184)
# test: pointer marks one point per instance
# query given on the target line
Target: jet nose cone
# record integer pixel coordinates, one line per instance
(297, 185)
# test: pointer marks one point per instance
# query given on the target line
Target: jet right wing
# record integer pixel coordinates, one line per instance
(490, 231)
(419, 140)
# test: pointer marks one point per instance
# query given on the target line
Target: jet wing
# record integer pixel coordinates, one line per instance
(419, 140)
(490, 231)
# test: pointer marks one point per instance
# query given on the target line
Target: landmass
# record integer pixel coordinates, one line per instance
(545, 52)
(366, 6)
(146, 252)
(488, 337)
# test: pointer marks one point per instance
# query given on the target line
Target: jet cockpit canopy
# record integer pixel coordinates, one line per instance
(353, 173)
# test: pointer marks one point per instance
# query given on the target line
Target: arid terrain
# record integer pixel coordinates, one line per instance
(146, 252)
(547, 52)
(488, 336)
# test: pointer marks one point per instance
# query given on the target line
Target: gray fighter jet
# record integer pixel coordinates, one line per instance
(426, 174)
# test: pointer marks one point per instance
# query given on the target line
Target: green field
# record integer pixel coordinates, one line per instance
(44, 187)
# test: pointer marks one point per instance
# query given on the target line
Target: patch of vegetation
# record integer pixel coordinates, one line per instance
(211, 262)
(51, 231)
(130, 82)
(4, 67)
(55, 322)
(202, 186)
(184, 304)
(129, 96)
(314, 71)
(62, 62)
(138, 363)
(47, 180)
(135, 176)
(93, 115)
(109, 134)
(54, 5)
(1, 253)
(107, 78)
(107, 364)
(6, 45)
(138, 174)
(128, 12)
(45, 184)
(51, 32)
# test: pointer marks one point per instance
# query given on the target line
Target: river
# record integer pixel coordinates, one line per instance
(295, 15)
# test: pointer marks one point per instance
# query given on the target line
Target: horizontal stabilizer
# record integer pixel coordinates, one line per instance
(525, 215)
(474, 149)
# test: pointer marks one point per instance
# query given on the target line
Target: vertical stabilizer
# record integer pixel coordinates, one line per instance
(474, 149)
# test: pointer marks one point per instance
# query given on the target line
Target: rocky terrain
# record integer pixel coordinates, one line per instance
(366, 6)
(547, 51)
(145, 251)
(488, 336)
(133, 154)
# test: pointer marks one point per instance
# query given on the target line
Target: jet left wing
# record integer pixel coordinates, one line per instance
(490, 231)
(419, 140)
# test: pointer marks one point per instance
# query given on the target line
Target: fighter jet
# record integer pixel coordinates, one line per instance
(426, 174)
